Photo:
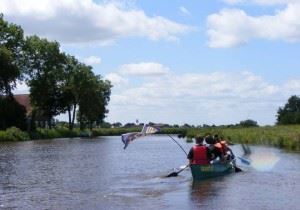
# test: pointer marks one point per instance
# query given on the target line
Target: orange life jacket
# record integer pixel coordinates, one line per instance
(224, 146)
(220, 147)
(200, 155)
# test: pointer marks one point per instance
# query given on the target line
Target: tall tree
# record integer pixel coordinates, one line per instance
(93, 104)
(11, 52)
(8, 71)
(290, 113)
(44, 67)
(84, 90)
(75, 86)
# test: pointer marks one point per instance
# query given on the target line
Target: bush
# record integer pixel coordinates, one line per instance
(13, 134)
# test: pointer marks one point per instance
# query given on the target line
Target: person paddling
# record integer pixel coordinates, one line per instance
(225, 152)
(199, 153)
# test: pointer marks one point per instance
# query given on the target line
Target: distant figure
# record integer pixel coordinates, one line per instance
(199, 153)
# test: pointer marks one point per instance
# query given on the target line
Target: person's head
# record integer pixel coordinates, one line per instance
(216, 138)
(199, 139)
(210, 140)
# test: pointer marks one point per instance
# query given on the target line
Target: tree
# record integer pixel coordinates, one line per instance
(93, 101)
(80, 89)
(117, 125)
(44, 69)
(8, 72)
(248, 123)
(11, 51)
(71, 87)
(290, 113)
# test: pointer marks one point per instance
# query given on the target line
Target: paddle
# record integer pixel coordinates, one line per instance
(237, 169)
(175, 173)
(244, 160)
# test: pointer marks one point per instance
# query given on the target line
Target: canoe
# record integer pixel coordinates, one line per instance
(200, 172)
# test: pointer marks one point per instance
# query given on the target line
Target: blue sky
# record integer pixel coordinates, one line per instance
(197, 62)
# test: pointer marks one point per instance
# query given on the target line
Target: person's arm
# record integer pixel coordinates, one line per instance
(231, 153)
(190, 156)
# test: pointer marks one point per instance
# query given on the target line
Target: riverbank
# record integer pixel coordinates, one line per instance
(286, 137)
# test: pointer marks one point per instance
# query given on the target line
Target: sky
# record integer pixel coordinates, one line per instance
(178, 61)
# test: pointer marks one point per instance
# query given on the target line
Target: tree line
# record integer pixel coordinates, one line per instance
(58, 82)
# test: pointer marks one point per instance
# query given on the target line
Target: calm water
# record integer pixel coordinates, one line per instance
(99, 174)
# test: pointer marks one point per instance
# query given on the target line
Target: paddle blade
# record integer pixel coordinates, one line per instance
(244, 160)
(173, 174)
(237, 169)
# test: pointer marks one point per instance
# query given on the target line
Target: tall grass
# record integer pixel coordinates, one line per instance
(287, 137)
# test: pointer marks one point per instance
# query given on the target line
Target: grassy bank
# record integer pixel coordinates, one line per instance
(287, 137)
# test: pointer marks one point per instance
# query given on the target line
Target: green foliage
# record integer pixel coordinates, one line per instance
(9, 72)
(44, 68)
(93, 102)
(13, 134)
(248, 123)
(54, 133)
(11, 45)
(290, 113)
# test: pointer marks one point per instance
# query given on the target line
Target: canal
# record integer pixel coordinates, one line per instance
(99, 174)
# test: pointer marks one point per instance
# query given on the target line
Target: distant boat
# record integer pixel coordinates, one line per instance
(200, 172)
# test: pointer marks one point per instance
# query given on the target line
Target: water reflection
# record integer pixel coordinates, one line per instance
(204, 193)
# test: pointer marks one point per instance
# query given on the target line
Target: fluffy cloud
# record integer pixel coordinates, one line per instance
(218, 97)
(144, 69)
(232, 27)
(81, 21)
(92, 60)
(116, 79)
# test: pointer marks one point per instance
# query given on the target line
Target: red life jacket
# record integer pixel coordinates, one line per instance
(199, 155)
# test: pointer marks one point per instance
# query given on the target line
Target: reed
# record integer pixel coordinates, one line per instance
(287, 137)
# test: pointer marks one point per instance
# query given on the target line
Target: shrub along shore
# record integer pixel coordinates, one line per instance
(286, 137)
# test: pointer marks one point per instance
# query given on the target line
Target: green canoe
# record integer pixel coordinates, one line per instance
(200, 172)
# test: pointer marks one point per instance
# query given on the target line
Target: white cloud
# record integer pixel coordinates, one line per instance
(84, 21)
(184, 11)
(219, 98)
(144, 69)
(232, 27)
(116, 79)
(92, 60)
(261, 2)
(293, 86)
